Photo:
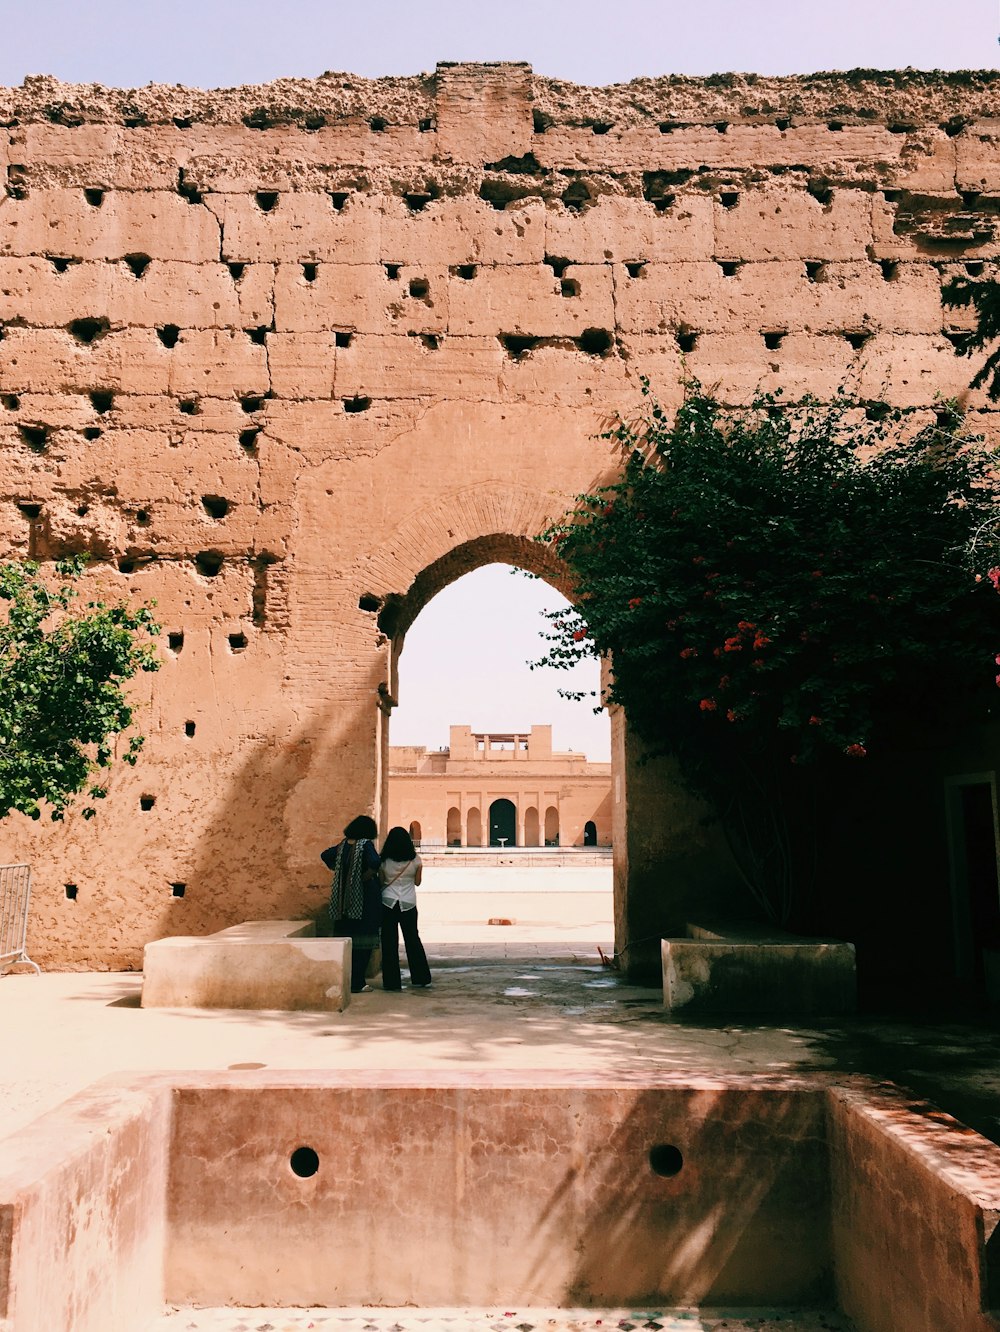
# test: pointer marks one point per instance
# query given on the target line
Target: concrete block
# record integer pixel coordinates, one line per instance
(260, 964)
(530, 299)
(977, 166)
(775, 223)
(298, 227)
(747, 971)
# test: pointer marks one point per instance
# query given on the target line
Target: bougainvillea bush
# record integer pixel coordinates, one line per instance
(63, 668)
(783, 590)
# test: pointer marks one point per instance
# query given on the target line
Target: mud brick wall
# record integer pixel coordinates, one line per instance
(288, 359)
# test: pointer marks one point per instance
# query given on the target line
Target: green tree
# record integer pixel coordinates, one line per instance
(62, 701)
(984, 299)
(783, 590)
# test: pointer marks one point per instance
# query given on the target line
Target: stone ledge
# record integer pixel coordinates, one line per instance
(258, 964)
(753, 970)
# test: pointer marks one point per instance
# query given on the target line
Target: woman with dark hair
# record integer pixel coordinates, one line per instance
(355, 894)
(402, 870)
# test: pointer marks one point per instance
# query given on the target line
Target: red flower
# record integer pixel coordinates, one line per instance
(761, 640)
(608, 510)
(745, 626)
(579, 634)
(636, 601)
(818, 573)
(815, 721)
(689, 652)
(732, 645)
(730, 715)
(994, 576)
(708, 705)
(855, 751)
(758, 662)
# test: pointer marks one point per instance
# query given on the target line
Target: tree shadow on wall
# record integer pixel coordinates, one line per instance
(247, 864)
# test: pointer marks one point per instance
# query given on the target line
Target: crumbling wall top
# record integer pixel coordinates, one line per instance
(861, 96)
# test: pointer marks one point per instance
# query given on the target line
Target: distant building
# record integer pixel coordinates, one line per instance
(499, 789)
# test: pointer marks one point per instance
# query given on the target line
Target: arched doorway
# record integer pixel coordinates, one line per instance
(590, 833)
(503, 823)
(453, 834)
(415, 833)
(551, 826)
(531, 826)
(474, 827)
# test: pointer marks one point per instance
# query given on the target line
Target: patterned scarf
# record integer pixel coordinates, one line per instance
(347, 890)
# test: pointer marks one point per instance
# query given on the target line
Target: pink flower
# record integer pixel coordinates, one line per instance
(708, 705)
(994, 576)
(636, 601)
(855, 751)
(689, 652)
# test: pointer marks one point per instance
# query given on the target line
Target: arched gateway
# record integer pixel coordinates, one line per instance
(299, 374)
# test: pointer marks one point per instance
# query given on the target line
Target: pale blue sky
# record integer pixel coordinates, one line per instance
(464, 657)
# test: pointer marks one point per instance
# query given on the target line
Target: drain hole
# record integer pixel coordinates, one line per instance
(665, 1160)
(304, 1162)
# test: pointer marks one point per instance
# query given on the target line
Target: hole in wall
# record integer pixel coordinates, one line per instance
(60, 262)
(601, 126)
(175, 640)
(248, 439)
(666, 1160)
(146, 803)
(576, 196)
(10, 401)
(252, 402)
(857, 337)
(722, 127)
(178, 889)
(392, 271)
(135, 119)
(569, 287)
(138, 263)
(338, 198)
(142, 517)
(465, 271)
(419, 288)
(310, 272)
(189, 729)
(432, 341)
(900, 127)
(359, 404)
(687, 339)
(187, 188)
(892, 196)
(729, 198)
(237, 642)
(126, 564)
(30, 509)
(17, 186)
(876, 411)
(88, 330)
(823, 194)
(258, 335)
(266, 200)
(730, 267)
(975, 268)
(82, 510)
(540, 122)
(557, 264)
(258, 119)
(595, 341)
(71, 891)
(426, 125)
(92, 433)
(378, 124)
(304, 1162)
(215, 506)
(783, 123)
(236, 271)
(517, 345)
(634, 267)
(953, 126)
(835, 126)
(342, 338)
(890, 269)
(959, 339)
(94, 197)
(183, 122)
(208, 563)
(668, 126)
(188, 406)
(664, 201)
(417, 200)
(815, 270)
(102, 400)
(35, 436)
(369, 602)
(773, 338)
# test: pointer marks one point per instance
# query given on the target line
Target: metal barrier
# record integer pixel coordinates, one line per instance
(15, 894)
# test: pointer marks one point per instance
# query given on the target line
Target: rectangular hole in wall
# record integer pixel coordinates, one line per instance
(71, 891)
(177, 889)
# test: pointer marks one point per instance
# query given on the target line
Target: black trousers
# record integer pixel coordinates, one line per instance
(394, 920)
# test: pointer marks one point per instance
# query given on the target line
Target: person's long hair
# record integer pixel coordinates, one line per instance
(361, 828)
(398, 845)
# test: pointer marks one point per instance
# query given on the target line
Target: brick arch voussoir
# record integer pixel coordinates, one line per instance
(461, 532)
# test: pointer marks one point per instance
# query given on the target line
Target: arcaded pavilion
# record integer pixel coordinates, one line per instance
(499, 789)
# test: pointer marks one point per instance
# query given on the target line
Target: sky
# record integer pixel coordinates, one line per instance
(464, 659)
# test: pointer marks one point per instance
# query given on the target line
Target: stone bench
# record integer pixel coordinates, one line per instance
(752, 970)
(260, 964)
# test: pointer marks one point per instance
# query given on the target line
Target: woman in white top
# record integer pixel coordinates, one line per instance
(401, 873)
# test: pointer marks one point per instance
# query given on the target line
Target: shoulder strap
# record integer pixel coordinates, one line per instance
(400, 871)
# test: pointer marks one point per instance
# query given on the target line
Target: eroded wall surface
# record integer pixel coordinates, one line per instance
(285, 357)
